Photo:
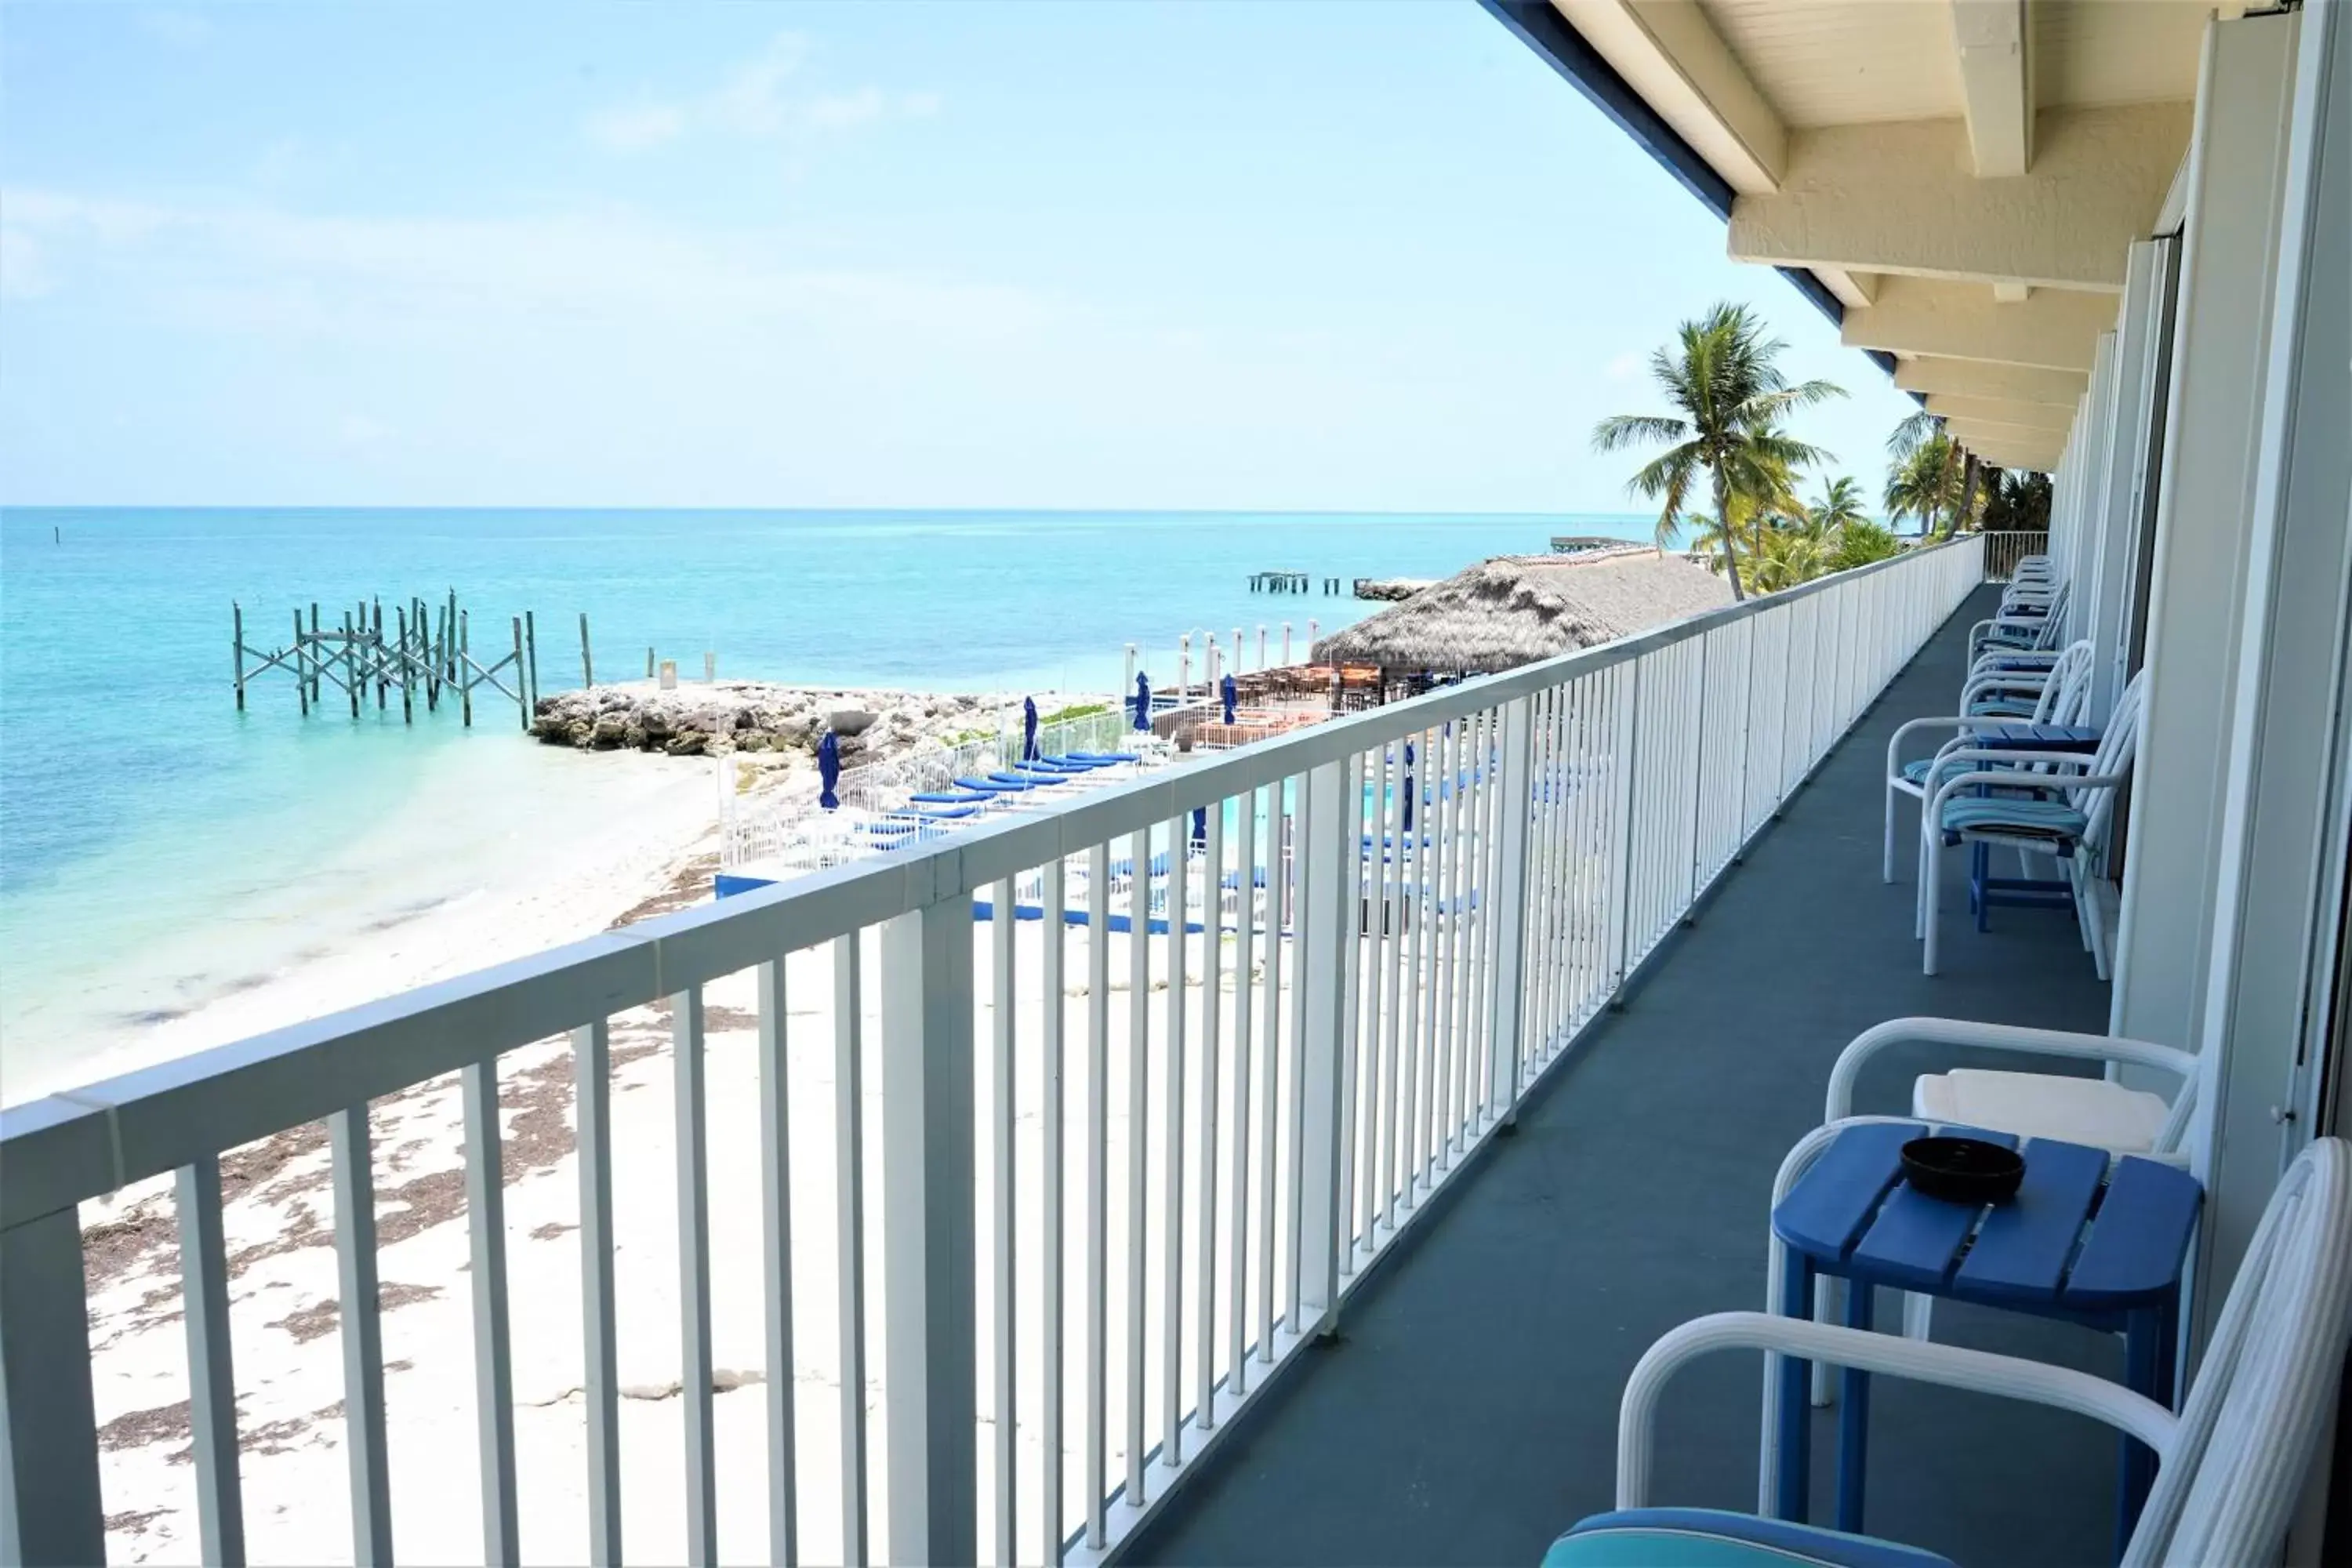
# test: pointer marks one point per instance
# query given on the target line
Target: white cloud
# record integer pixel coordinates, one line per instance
(1624, 367)
(841, 111)
(371, 279)
(751, 102)
(634, 129)
(22, 276)
(756, 101)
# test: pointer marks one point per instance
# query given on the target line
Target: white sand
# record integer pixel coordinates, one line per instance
(288, 1348)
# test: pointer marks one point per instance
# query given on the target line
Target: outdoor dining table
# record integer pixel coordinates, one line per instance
(2087, 1240)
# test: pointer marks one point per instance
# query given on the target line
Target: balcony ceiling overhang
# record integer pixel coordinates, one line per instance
(1962, 176)
(1929, 375)
(2050, 417)
(2009, 446)
(2051, 330)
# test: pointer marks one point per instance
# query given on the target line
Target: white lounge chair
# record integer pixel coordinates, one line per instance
(2062, 810)
(2230, 1465)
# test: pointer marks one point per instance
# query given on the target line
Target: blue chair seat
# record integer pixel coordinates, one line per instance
(2011, 817)
(1712, 1538)
(1915, 771)
(2003, 707)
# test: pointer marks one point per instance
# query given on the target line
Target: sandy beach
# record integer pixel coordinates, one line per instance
(285, 1322)
(654, 851)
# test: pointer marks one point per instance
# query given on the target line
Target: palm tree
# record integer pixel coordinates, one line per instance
(1728, 398)
(1928, 481)
(1784, 557)
(2017, 500)
(1840, 505)
(1862, 541)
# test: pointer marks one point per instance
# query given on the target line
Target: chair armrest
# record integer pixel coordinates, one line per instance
(1954, 751)
(1946, 720)
(1996, 1036)
(1921, 1361)
(2023, 683)
(1935, 810)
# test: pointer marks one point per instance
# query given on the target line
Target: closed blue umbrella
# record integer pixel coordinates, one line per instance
(1028, 729)
(1200, 826)
(1142, 701)
(1232, 694)
(828, 770)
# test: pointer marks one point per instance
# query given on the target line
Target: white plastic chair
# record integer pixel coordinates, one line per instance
(2028, 619)
(2229, 1466)
(2067, 818)
(2096, 1112)
(2061, 695)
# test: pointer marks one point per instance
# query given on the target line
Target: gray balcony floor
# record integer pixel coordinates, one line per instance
(1468, 1412)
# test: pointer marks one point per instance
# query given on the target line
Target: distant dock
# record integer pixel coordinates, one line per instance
(426, 653)
(1290, 583)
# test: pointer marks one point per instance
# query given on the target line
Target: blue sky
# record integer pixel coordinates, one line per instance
(1375, 256)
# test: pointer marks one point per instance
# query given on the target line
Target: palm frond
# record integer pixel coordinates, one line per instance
(1622, 430)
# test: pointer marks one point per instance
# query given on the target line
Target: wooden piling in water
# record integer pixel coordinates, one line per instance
(400, 628)
(587, 669)
(422, 645)
(522, 702)
(649, 664)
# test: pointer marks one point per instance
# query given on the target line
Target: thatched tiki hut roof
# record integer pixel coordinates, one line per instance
(1517, 609)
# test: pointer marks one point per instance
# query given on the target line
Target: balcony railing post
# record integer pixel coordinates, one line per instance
(1624, 755)
(929, 1171)
(1507, 998)
(50, 1510)
(1325, 917)
(1698, 785)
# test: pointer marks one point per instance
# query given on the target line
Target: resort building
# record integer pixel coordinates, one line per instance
(1311, 1180)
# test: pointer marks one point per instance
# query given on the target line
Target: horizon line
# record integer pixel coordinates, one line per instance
(1026, 511)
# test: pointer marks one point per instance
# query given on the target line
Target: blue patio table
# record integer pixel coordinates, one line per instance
(2081, 1242)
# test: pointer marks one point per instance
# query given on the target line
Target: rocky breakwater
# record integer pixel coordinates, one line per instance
(737, 716)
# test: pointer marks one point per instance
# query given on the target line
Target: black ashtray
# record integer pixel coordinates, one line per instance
(1963, 1170)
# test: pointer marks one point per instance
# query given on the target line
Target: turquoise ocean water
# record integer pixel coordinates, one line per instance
(158, 849)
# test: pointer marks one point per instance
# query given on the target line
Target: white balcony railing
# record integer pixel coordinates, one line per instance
(1113, 1172)
(2004, 550)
